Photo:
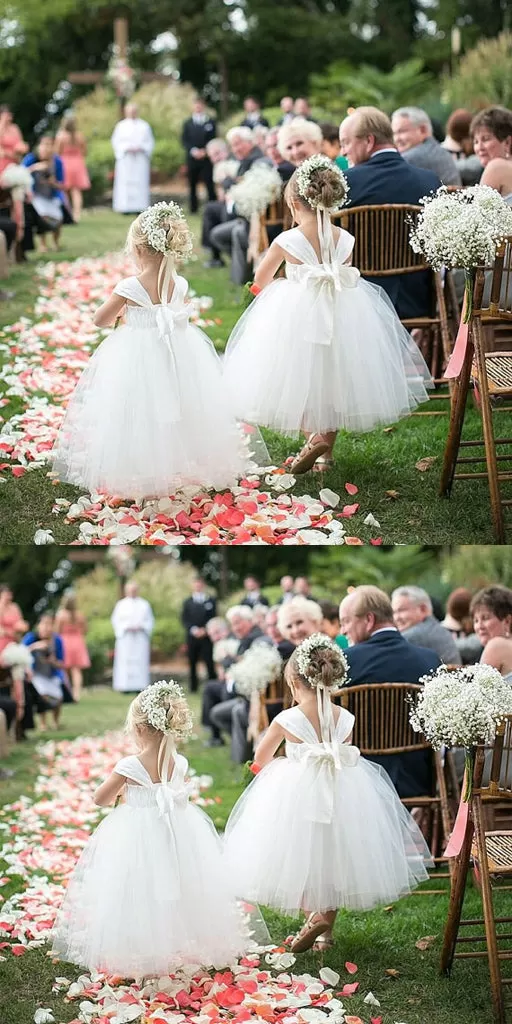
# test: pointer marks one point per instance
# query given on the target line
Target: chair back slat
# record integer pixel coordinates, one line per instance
(382, 718)
(382, 238)
(492, 289)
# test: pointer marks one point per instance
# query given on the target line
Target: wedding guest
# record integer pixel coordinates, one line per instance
(47, 679)
(197, 610)
(331, 145)
(459, 144)
(215, 691)
(414, 139)
(11, 138)
(253, 595)
(301, 108)
(219, 216)
(299, 139)
(302, 588)
(459, 622)
(224, 166)
(243, 627)
(12, 623)
(299, 618)
(71, 146)
(491, 131)
(287, 584)
(198, 131)
(413, 616)
(253, 115)
(133, 143)
(259, 134)
(285, 647)
(331, 623)
(379, 654)
(133, 622)
(378, 175)
(283, 167)
(287, 112)
(72, 627)
(48, 198)
(491, 609)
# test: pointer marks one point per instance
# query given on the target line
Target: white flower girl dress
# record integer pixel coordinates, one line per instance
(150, 412)
(322, 828)
(323, 349)
(150, 891)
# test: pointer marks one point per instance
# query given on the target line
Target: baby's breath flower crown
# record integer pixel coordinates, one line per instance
(306, 174)
(166, 709)
(166, 230)
(310, 672)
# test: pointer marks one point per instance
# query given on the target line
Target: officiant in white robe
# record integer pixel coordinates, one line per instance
(133, 623)
(133, 142)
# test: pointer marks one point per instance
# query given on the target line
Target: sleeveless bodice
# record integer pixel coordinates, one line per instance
(295, 722)
(169, 796)
(310, 267)
(165, 317)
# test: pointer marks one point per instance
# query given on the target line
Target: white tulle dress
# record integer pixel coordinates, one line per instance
(323, 349)
(150, 412)
(151, 891)
(322, 828)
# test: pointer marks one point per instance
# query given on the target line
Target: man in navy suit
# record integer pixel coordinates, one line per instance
(380, 654)
(378, 175)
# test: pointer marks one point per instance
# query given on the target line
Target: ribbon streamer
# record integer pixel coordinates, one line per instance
(167, 321)
(456, 360)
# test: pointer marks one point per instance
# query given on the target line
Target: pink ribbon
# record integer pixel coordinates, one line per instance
(459, 829)
(456, 360)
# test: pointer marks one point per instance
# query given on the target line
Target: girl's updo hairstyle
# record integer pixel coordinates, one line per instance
(161, 228)
(161, 708)
(318, 663)
(318, 183)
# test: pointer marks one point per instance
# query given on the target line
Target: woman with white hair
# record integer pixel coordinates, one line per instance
(299, 140)
(299, 618)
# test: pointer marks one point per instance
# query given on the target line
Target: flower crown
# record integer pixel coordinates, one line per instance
(312, 674)
(166, 230)
(304, 182)
(166, 709)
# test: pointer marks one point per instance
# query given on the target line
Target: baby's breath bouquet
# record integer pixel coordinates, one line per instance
(461, 229)
(257, 668)
(258, 187)
(461, 708)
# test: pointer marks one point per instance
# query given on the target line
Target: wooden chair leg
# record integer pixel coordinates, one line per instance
(457, 414)
(489, 441)
(458, 888)
(489, 919)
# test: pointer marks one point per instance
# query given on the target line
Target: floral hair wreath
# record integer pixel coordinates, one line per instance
(320, 163)
(307, 670)
(166, 709)
(155, 223)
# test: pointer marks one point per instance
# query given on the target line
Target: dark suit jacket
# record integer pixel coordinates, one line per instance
(196, 136)
(247, 123)
(388, 658)
(197, 613)
(252, 601)
(388, 178)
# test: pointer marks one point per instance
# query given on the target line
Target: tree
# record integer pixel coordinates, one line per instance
(484, 75)
(342, 86)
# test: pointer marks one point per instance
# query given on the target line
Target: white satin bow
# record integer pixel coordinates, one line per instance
(327, 758)
(168, 800)
(167, 321)
(328, 279)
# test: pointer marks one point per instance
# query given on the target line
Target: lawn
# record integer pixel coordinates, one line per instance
(379, 942)
(381, 464)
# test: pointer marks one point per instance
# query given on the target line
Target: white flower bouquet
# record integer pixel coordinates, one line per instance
(461, 229)
(258, 187)
(258, 667)
(461, 708)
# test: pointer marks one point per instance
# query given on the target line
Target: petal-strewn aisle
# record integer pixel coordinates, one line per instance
(41, 840)
(43, 358)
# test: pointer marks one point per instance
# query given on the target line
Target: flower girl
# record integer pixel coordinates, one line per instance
(322, 349)
(321, 828)
(150, 891)
(150, 412)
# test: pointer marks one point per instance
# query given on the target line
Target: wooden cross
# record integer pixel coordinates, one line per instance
(120, 50)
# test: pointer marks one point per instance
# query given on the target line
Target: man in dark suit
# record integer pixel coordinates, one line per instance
(379, 175)
(253, 115)
(197, 132)
(197, 611)
(379, 654)
(253, 595)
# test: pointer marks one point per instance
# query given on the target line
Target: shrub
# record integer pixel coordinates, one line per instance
(168, 156)
(342, 86)
(484, 75)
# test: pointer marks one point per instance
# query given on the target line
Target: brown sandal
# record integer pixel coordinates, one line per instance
(309, 453)
(315, 925)
(322, 943)
(323, 464)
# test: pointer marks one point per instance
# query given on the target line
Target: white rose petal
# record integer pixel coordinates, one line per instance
(329, 497)
(329, 976)
(44, 537)
(43, 1016)
(371, 1000)
(372, 521)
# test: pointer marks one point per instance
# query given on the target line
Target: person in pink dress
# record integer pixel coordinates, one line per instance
(71, 626)
(71, 146)
(12, 626)
(11, 139)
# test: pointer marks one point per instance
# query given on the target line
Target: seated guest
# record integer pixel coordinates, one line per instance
(219, 217)
(331, 623)
(459, 622)
(459, 144)
(379, 654)
(299, 618)
(287, 113)
(285, 647)
(259, 134)
(492, 620)
(301, 108)
(243, 627)
(491, 131)
(224, 167)
(414, 139)
(302, 588)
(287, 584)
(412, 612)
(11, 139)
(49, 199)
(253, 115)
(299, 139)
(283, 167)
(48, 679)
(253, 595)
(331, 146)
(378, 174)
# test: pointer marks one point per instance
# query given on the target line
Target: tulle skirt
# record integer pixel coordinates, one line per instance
(282, 371)
(148, 895)
(145, 419)
(371, 852)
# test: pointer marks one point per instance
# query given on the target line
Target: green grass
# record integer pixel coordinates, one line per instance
(377, 463)
(378, 941)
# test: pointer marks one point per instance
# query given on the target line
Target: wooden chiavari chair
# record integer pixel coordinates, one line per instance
(491, 374)
(490, 847)
(276, 698)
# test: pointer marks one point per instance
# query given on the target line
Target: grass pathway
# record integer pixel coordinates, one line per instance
(51, 340)
(44, 825)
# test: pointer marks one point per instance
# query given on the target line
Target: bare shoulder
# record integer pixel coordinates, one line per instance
(498, 652)
(496, 171)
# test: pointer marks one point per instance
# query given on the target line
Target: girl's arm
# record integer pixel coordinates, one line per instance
(269, 266)
(267, 747)
(107, 313)
(107, 792)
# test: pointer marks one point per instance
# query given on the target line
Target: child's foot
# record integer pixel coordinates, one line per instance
(324, 463)
(323, 942)
(314, 447)
(315, 925)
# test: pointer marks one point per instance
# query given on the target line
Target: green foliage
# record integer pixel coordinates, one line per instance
(477, 565)
(342, 86)
(484, 75)
(167, 157)
(336, 569)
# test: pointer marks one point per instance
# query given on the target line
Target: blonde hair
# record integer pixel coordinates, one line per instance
(178, 245)
(178, 723)
(325, 189)
(372, 121)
